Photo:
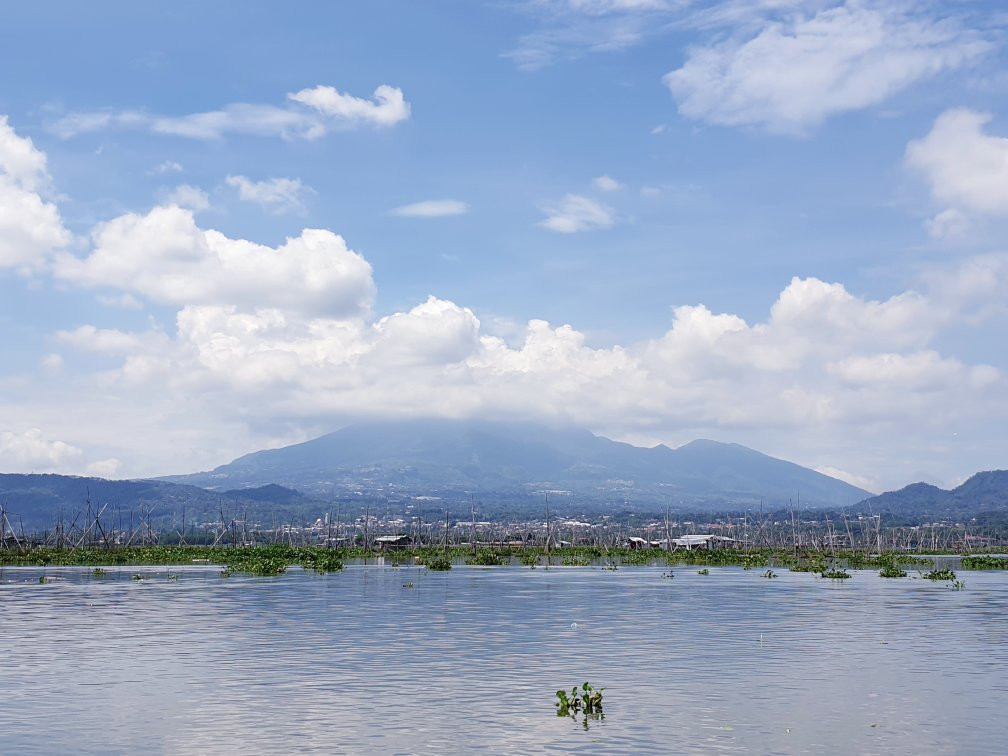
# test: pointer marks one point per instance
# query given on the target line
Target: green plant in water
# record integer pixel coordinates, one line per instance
(835, 573)
(958, 585)
(173, 577)
(984, 562)
(936, 574)
(438, 563)
(490, 557)
(704, 571)
(98, 572)
(892, 571)
(322, 561)
(585, 699)
(530, 558)
(43, 580)
(769, 574)
(137, 576)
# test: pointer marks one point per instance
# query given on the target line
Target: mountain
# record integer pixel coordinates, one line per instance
(450, 457)
(983, 492)
(36, 502)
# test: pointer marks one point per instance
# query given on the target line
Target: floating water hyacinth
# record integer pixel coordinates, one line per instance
(586, 699)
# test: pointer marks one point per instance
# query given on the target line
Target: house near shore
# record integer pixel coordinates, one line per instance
(699, 541)
(388, 542)
(705, 541)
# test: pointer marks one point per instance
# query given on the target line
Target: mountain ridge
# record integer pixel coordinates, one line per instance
(426, 455)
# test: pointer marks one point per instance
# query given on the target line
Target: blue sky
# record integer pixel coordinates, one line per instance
(779, 223)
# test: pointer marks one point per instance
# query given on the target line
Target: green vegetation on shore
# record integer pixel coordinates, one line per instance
(274, 559)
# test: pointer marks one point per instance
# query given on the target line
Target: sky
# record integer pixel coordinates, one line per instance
(780, 223)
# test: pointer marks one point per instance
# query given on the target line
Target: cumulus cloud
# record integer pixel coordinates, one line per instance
(963, 166)
(833, 373)
(279, 195)
(30, 227)
(310, 114)
(800, 69)
(606, 184)
(166, 257)
(432, 209)
(576, 213)
(188, 196)
(31, 451)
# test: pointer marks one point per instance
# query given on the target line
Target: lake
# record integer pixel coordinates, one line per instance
(469, 660)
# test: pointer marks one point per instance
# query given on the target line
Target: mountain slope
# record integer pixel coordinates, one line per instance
(985, 491)
(427, 456)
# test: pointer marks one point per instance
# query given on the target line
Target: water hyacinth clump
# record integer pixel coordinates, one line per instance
(490, 557)
(836, 573)
(438, 563)
(936, 575)
(892, 571)
(984, 562)
(585, 699)
(946, 574)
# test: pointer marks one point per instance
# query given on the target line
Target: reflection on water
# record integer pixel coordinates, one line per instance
(470, 660)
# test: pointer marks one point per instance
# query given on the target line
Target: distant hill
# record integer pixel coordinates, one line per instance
(983, 492)
(444, 456)
(271, 493)
(36, 502)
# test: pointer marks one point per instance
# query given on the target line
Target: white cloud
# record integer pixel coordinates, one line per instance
(432, 209)
(52, 363)
(31, 451)
(188, 196)
(124, 301)
(861, 481)
(102, 340)
(948, 224)
(602, 7)
(168, 166)
(20, 163)
(385, 108)
(311, 114)
(606, 184)
(273, 343)
(30, 227)
(571, 27)
(835, 378)
(963, 166)
(104, 468)
(280, 195)
(576, 213)
(166, 257)
(800, 69)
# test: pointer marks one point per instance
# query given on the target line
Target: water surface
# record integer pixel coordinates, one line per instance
(469, 660)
